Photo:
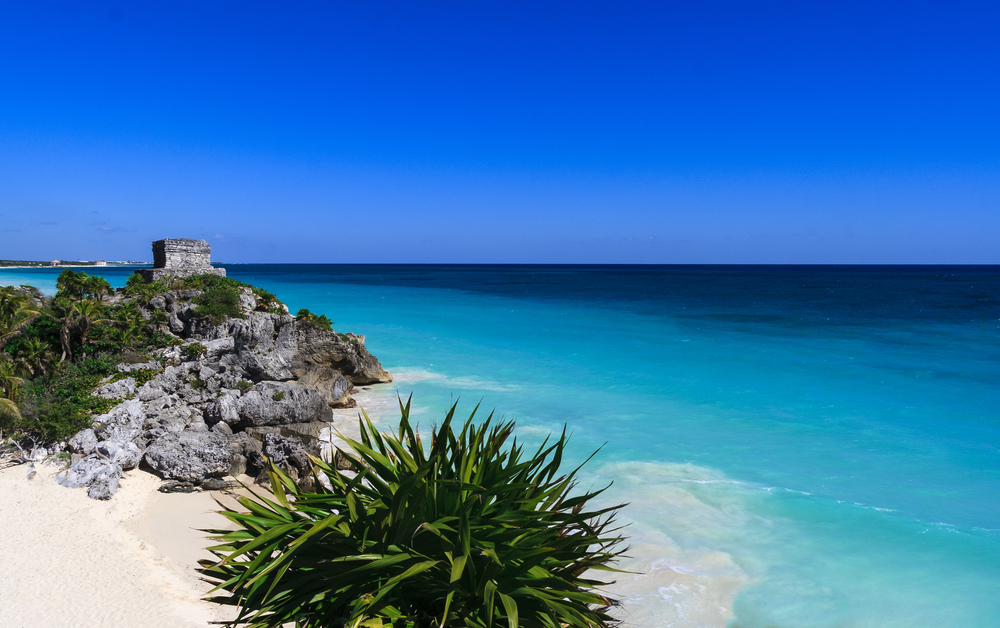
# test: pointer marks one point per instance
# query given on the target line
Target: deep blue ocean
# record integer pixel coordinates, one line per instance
(800, 446)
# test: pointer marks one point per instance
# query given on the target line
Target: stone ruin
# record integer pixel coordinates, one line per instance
(180, 257)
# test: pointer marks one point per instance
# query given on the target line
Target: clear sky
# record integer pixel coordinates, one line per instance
(475, 131)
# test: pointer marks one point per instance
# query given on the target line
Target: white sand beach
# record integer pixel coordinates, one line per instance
(71, 561)
(68, 560)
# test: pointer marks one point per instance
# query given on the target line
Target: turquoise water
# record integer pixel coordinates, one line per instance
(800, 447)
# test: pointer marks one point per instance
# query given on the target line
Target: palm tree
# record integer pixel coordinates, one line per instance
(33, 356)
(14, 316)
(97, 286)
(125, 335)
(89, 313)
(10, 383)
(67, 313)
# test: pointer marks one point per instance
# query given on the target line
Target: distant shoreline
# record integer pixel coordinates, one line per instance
(108, 265)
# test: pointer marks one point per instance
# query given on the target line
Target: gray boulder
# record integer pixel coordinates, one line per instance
(117, 390)
(278, 403)
(126, 455)
(99, 474)
(190, 456)
(215, 349)
(122, 423)
(105, 483)
(83, 442)
(264, 345)
(248, 302)
(292, 457)
(149, 392)
(142, 366)
(225, 409)
(343, 352)
(335, 388)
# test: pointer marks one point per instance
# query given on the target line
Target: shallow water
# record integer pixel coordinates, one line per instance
(822, 441)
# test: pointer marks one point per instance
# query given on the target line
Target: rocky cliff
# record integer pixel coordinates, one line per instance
(232, 393)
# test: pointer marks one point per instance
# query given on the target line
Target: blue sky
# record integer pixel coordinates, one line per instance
(702, 132)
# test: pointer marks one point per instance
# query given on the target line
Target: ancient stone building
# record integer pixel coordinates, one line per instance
(180, 257)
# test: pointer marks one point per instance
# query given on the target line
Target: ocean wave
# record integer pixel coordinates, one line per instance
(677, 514)
(405, 375)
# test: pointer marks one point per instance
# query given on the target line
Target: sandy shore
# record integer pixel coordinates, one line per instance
(70, 561)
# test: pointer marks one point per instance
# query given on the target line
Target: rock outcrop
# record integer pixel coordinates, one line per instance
(231, 394)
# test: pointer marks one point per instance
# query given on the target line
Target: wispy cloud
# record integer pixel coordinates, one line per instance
(48, 223)
(115, 230)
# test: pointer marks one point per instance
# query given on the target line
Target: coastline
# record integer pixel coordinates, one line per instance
(71, 266)
(69, 560)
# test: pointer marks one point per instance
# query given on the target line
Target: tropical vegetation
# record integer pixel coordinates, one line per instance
(467, 530)
(317, 320)
(54, 352)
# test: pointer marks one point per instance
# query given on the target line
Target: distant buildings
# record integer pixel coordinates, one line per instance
(55, 262)
(100, 262)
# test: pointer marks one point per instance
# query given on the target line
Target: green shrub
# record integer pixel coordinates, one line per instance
(194, 351)
(468, 533)
(58, 421)
(278, 396)
(136, 286)
(243, 384)
(316, 320)
(196, 383)
(57, 406)
(219, 303)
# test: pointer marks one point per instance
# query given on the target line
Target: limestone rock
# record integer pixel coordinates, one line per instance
(83, 442)
(265, 344)
(126, 455)
(292, 457)
(224, 408)
(105, 483)
(343, 352)
(117, 390)
(142, 366)
(334, 387)
(190, 456)
(99, 474)
(279, 403)
(122, 423)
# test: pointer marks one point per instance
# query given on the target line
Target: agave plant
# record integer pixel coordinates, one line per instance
(468, 532)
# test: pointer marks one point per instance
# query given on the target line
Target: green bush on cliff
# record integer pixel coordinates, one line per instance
(219, 303)
(467, 532)
(316, 320)
(136, 286)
